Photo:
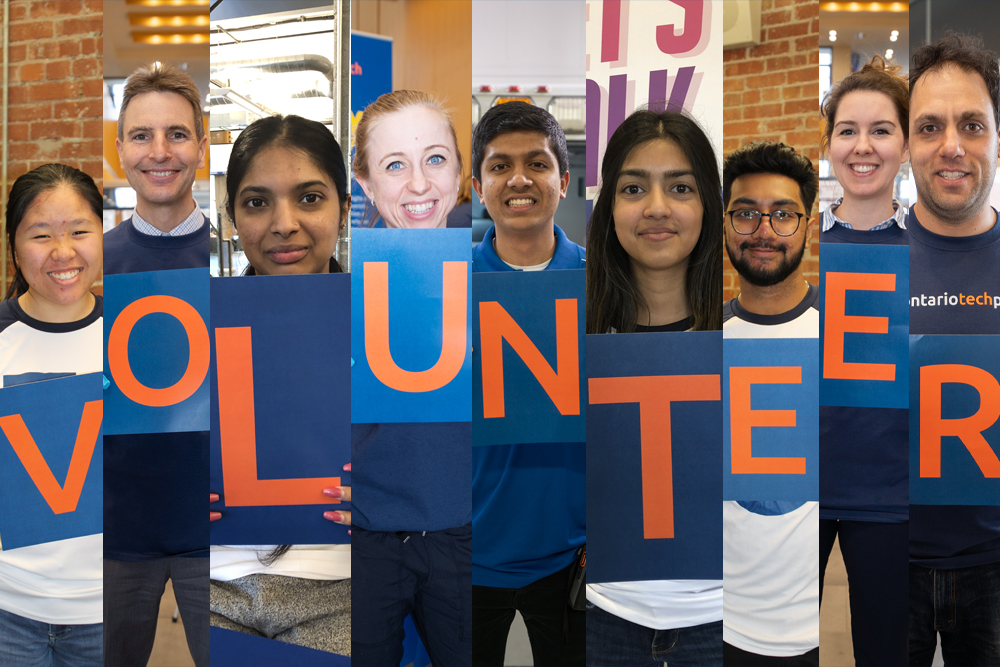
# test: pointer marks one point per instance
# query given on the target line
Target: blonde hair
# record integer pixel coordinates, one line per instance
(390, 103)
(161, 78)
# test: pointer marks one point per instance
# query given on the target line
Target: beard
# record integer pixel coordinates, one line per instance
(761, 277)
(950, 213)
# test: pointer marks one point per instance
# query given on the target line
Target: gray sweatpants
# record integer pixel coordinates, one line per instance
(306, 612)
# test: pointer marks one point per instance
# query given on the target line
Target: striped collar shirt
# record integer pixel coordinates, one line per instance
(190, 225)
(898, 218)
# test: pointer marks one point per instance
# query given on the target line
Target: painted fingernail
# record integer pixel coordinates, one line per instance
(347, 467)
(334, 492)
(333, 516)
(214, 516)
(213, 497)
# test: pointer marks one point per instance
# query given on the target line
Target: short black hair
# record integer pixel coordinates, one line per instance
(513, 116)
(770, 157)
(963, 51)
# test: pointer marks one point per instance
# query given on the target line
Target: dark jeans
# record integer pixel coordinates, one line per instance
(426, 575)
(132, 592)
(615, 642)
(737, 657)
(876, 556)
(963, 605)
(28, 643)
(557, 633)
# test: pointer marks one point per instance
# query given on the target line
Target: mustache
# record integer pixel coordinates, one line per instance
(748, 245)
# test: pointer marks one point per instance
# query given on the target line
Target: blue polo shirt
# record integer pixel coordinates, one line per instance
(528, 501)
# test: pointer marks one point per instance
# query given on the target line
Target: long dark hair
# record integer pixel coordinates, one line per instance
(27, 188)
(613, 298)
(295, 132)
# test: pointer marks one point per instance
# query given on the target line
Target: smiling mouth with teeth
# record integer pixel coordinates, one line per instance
(863, 168)
(420, 208)
(520, 202)
(65, 275)
(951, 175)
(161, 174)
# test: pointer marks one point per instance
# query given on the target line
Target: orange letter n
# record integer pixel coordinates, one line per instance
(238, 434)
(562, 386)
(654, 395)
(453, 330)
(968, 429)
(61, 499)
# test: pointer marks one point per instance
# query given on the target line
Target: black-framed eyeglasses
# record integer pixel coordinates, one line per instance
(746, 221)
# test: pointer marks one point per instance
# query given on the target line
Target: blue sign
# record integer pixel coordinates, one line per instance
(955, 420)
(280, 407)
(771, 419)
(238, 649)
(411, 326)
(371, 77)
(528, 364)
(156, 351)
(654, 435)
(51, 461)
(864, 320)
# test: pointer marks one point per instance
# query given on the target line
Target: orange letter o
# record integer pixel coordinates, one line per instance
(198, 356)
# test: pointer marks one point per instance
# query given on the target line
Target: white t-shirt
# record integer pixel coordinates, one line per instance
(58, 582)
(328, 562)
(660, 605)
(770, 564)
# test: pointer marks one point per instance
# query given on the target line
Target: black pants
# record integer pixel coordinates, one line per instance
(876, 556)
(736, 657)
(558, 634)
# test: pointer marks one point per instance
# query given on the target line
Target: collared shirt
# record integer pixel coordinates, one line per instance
(898, 218)
(190, 224)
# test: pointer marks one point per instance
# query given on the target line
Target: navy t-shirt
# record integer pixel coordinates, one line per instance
(952, 536)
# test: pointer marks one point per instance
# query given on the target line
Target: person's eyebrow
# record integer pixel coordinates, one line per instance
(255, 189)
(754, 202)
(139, 128)
(45, 224)
(507, 157)
(928, 118)
(645, 173)
(311, 184)
(972, 115)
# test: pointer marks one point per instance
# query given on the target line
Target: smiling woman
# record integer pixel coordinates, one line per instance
(407, 160)
(51, 326)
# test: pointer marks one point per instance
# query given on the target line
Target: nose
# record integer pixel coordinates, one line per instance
(419, 184)
(519, 178)
(285, 221)
(951, 143)
(863, 145)
(764, 229)
(657, 204)
(159, 148)
(63, 250)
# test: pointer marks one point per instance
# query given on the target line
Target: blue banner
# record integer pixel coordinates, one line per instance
(654, 435)
(371, 76)
(237, 649)
(864, 324)
(770, 396)
(281, 429)
(955, 420)
(413, 359)
(156, 351)
(51, 461)
(529, 326)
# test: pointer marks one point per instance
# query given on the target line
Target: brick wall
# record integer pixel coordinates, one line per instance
(55, 86)
(772, 92)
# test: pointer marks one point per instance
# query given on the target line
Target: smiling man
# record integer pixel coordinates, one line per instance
(521, 171)
(770, 592)
(153, 484)
(954, 249)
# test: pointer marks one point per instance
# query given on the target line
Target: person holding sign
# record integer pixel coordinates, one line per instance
(655, 266)
(864, 450)
(286, 194)
(154, 523)
(521, 172)
(954, 252)
(411, 181)
(770, 561)
(51, 326)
